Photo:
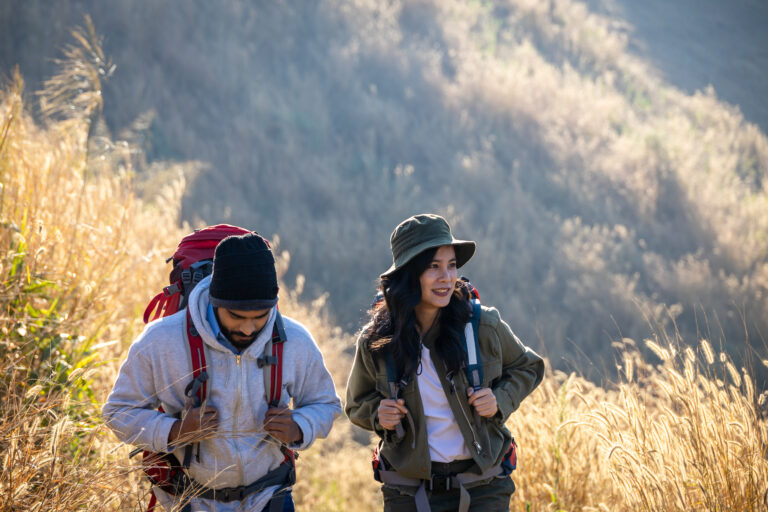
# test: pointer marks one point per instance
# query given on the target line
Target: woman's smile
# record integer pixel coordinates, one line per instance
(441, 292)
(439, 279)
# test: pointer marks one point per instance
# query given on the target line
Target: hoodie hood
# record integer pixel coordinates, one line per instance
(198, 308)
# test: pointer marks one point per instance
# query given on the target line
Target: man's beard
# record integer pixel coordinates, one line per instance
(238, 339)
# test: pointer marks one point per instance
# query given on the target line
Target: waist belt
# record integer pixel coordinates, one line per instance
(284, 475)
(438, 482)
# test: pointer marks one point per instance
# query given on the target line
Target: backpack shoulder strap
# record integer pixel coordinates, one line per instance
(197, 389)
(273, 357)
(273, 386)
(472, 344)
(394, 385)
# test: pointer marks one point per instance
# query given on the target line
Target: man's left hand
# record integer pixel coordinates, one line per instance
(278, 422)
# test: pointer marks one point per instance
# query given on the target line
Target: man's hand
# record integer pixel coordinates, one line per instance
(484, 401)
(391, 412)
(196, 424)
(278, 422)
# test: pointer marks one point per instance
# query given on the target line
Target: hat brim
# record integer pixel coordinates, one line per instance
(465, 249)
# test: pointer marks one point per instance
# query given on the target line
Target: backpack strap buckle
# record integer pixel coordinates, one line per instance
(439, 482)
(231, 494)
(171, 289)
(194, 386)
(266, 361)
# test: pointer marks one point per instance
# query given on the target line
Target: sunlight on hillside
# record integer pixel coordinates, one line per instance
(85, 227)
(605, 201)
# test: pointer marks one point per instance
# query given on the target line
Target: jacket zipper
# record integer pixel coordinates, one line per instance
(477, 446)
(237, 410)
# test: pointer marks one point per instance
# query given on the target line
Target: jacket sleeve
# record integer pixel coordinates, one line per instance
(130, 411)
(315, 401)
(363, 398)
(522, 370)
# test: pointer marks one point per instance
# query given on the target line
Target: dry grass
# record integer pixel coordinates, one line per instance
(82, 253)
(76, 244)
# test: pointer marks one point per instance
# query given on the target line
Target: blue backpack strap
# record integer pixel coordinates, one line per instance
(393, 385)
(472, 343)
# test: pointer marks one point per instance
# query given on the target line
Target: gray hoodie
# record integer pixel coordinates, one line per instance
(158, 368)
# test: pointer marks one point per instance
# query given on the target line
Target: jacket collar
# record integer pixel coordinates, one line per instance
(430, 337)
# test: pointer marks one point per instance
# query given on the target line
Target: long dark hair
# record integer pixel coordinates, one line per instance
(393, 319)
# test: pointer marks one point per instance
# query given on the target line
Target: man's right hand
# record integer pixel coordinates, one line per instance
(391, 412)
(196, 424)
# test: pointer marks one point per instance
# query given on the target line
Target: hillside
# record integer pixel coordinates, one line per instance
(606, 202)
(696, 44)
(83, 250)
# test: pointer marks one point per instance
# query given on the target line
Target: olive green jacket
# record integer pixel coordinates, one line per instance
(510, 369)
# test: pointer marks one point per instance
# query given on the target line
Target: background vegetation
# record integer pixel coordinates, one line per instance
(82, 247)
(606, 203)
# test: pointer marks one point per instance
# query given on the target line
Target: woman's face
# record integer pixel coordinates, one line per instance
(439, 279)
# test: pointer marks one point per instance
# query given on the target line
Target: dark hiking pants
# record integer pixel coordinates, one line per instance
(493, 496)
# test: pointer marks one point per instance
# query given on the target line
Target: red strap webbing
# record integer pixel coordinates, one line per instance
(164, 303)
(197, 353)
(172, 304)
(152, 501)
(156, 305)
(276, 374)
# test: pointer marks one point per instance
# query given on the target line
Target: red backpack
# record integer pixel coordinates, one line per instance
(192, 262)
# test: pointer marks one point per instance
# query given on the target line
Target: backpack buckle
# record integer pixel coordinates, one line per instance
(171, 289)
(194, 386)
(439, 482)
(232, 493)
(266, 360)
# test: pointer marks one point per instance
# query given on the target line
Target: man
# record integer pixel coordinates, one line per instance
(239, 440)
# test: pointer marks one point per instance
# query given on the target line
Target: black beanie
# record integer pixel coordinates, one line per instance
(244, 275)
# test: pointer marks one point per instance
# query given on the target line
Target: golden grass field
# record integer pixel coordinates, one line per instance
(84, 233)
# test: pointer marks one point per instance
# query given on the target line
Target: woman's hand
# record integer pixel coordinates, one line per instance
(483, 400)
(391, 412)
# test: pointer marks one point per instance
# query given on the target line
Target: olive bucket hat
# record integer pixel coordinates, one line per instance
(421, 232)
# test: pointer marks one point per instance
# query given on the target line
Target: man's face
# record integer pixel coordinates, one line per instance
(241, 327)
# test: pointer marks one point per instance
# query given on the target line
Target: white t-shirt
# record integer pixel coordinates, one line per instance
(446, 443)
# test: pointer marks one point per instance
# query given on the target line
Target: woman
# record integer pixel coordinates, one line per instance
(443, 440)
